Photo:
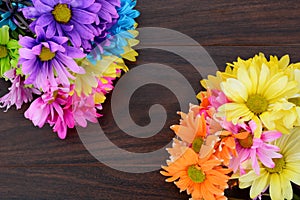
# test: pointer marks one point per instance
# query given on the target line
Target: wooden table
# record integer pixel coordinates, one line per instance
(35, 164)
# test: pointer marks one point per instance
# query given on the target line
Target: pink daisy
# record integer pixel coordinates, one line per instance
(18, 93)
(53, 107)
(255, 149)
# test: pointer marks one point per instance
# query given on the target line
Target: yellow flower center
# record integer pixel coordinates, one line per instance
(196, 174)
(279, 165)
(257, 104)
(46, 54)
(197, 143)
(247, 142)
(62, 13)
(295, 101)
(3, 51)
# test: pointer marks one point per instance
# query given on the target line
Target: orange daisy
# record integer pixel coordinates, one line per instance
(202, 178)
(225, 148)
(192, 129)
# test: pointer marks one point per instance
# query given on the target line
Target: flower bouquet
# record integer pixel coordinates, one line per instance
(247, 128)
(63, 56)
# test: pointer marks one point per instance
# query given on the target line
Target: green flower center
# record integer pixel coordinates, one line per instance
(3, 51)
(279, 165)
(46, 54)
(197, 143)
(257, 104)
(247, 142)
(62, 13)
(196, 174)
(295, 101)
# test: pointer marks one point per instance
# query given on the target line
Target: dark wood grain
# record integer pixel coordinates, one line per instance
(35, 164)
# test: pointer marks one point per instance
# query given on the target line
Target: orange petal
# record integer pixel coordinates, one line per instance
(241, 135)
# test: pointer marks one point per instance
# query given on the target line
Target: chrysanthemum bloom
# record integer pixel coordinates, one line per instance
(193, 131)
(8, 51)
(43, 59)
(256, 149)
(18, 92)
(202, 178)
(254, 92)
(71, 18)
(278, 178)
(83, 109)
(53, 107)
(84, 83)
(225, 149)
(288, 110)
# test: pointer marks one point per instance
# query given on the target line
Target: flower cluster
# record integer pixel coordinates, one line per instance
(247, 127)
(63, 56)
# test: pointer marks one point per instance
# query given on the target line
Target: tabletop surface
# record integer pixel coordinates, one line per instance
(35, 164)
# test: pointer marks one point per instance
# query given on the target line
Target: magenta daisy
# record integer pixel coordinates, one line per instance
(18, 93)
(44, 59)
(53, 107)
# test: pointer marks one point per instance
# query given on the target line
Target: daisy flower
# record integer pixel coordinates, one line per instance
(192, 130)
(84, 110)
(84, 83)
(285, 171)
(18, 92)
(225, 149)
(8, 51)
(288, 110)
(254, 149)
(43, 59)
(107, 17)
(253, 93)
(53, 107)
(72, 19)
(202, 178)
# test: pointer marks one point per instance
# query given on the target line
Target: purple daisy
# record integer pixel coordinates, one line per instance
(107, 17)
(71, 18)
(43, 59)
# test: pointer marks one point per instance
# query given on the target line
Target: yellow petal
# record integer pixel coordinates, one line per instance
(286, 187)
(243, 185)
(250, 176)
(275, 187)
(235, 90)
(292, 176)
(284, 61)
(259, 184)
(263, 78)
(243, 76)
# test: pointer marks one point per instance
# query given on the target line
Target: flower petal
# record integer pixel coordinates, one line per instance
(275, 187)
(259, 184)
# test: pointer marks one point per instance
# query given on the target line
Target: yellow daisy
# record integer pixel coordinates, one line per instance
(254, 92)
(279, 178)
